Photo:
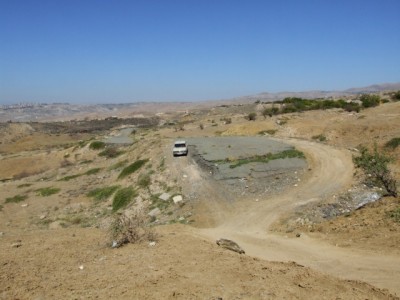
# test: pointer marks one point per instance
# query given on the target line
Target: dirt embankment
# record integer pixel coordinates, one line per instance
(75, 263)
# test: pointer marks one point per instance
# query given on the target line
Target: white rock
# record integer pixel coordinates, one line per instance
(55, 225)
(152, 244)
(80, 267)
(164, 196)
(154, 212)
(177, 199)
(24, 205)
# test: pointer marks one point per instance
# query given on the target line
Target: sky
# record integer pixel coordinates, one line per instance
(87, 51)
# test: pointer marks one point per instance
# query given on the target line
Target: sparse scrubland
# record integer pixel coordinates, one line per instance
(66, 201)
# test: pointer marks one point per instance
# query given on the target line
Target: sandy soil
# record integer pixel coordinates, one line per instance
(75, 263)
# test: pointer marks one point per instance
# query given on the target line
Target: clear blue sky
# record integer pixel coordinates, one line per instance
(86, 51)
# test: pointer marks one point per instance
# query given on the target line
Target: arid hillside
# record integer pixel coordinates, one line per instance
(283, 187)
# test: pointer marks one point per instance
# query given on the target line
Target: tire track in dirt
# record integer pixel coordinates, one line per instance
(247, 222)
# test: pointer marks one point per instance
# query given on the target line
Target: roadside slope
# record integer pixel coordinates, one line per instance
(331, 171)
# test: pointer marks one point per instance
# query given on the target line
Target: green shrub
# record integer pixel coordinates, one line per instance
(97, 145)
(292, 153)
(118, 165)
(76, 219)
(47, 191)
(86, 161)
(16, 199)
(393, 143)
(132, 168)
(162, 164)
(270, 112)
(123, 197)
(88, 172)
(82, 144)
(24, 185)
(111, 152)
(289, 108)
(320, 137)
(104, 193)
(252, 116)
(351, 106)
(144, 180)
(369, 100)
(157, 202)
(329, 104)
(396, 96)
(395, 214)
(375, 164)
(92, 171)
(69, 177)
(294, 104)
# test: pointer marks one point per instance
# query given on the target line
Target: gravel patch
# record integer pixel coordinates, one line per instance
(220, 148)
(123, 137)
(215, 154)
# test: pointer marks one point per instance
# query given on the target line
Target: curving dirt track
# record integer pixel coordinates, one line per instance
(247, 221)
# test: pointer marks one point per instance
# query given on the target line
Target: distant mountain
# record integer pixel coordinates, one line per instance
(268, 97)
(375, 88)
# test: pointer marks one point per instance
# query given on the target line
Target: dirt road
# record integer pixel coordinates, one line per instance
(246, 220)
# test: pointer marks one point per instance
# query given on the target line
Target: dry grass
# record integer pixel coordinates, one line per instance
(134, 229)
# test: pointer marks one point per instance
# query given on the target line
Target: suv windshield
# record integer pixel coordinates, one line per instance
(180, 145)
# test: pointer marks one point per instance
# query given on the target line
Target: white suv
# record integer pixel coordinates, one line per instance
(180, 148)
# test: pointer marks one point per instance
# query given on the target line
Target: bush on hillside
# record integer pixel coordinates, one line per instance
(270, 111)
(100, 194)
(393, 143)
(110, 152)
(123, 197)
(132, 229)
(252, 116)
(369, 100)
(375, 165)
(132, 168)
(396, 96)
(97, 145)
